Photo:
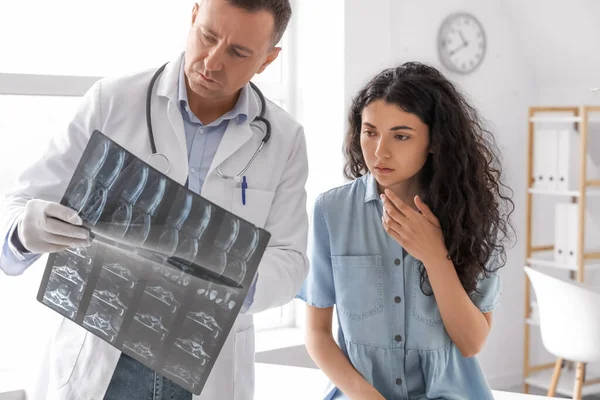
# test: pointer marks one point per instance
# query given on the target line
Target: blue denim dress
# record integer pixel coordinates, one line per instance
(390, 331)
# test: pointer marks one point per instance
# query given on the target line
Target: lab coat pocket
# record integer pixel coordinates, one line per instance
(257, 207)
(66, 348)
(358, 284)
(243, 364)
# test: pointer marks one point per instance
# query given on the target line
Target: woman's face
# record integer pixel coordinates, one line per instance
(395, 144)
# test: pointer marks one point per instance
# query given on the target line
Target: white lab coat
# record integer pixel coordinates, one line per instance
(79, 364)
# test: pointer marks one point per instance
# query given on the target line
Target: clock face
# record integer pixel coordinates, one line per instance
(461, 43)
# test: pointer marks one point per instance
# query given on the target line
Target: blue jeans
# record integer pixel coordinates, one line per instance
(132, 380)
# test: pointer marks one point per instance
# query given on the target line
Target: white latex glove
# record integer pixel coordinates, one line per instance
(48, 227)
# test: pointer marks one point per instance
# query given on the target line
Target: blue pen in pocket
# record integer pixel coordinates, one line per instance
(244, 187)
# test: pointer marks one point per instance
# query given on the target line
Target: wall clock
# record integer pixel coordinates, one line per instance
(461, 43)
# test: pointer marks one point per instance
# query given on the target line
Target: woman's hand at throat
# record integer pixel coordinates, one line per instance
(419, 233)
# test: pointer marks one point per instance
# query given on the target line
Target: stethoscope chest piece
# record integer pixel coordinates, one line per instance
(159, 162)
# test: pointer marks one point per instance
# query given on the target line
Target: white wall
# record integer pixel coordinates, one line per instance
(320, 88)
(562, 41)
(368, 43)
(336, 53)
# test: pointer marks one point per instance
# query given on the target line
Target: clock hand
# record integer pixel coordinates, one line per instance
(458, 49)
(465, 43)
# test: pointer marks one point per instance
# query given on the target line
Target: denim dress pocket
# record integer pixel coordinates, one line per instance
(358, 284)
(424, 308)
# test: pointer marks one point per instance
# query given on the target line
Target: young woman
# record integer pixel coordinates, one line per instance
(408, 252)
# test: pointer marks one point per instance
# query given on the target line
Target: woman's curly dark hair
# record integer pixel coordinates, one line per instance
(461, 177)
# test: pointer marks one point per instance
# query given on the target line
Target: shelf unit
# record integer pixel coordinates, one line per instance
(546, 259)
(540, 375)
(591, 192)
(566, 383)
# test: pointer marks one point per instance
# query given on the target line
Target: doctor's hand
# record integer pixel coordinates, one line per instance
(48, 227)
(420, 233)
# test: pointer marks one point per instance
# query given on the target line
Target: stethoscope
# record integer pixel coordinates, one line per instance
(162, 163)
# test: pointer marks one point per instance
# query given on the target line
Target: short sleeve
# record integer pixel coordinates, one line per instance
(489, 289)
(318, 289)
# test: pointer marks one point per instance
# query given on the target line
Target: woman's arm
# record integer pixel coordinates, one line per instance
(331, 360)
(466, 325)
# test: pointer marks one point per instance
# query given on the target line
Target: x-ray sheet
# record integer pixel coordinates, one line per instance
(167, 271)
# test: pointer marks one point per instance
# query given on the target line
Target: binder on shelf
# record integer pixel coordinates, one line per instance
(567, 154)
(568, 161)
(560, 233)
(539, 155)
(572, 234)
(550, 166)
(591, 234)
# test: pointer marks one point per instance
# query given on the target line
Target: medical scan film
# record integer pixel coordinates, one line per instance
(166, 273)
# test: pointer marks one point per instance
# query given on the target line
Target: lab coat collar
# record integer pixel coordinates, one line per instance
(167, 84)
(237, 134)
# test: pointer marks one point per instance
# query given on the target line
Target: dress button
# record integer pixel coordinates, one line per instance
(398, 338)
(397, 299)
(201, 130)
(397, 261)
(193, 170)
(398, 381)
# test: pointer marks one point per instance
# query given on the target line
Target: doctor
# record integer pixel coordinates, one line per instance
(202, 112)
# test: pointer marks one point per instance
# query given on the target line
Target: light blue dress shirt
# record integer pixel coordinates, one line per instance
(202, 144)
(390, 331)
(203, 140)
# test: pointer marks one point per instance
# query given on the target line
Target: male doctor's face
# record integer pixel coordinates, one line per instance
(226, 46)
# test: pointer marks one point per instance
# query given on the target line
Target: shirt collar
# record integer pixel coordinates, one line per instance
(371, 192)
(245, 106)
